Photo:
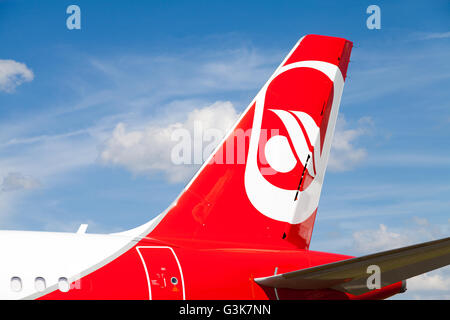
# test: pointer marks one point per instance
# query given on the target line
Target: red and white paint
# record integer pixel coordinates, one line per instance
(234, 222)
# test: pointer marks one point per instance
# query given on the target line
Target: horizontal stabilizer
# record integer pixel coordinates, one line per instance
(352, 275)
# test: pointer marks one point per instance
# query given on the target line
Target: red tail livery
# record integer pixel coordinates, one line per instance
(242, 227)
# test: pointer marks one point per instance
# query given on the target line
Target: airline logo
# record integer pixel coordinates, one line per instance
(273, 186)
(278, 151)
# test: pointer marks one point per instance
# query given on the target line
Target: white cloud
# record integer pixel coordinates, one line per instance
(192, 73)
(13, 74)
(148, 150)
(344, 154)
(421, 230)
(28, 161)
(433, 35)
(17, 181)
(49, 156)
(240, 68)
(129, 89)
(378, 240)
(439, 281)
(434, 285)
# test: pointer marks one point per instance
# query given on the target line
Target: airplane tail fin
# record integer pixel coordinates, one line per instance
(261, 186)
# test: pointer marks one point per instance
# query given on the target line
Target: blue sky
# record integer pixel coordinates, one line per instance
(70, 100)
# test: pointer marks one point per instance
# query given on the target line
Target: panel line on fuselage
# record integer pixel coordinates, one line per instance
(146, 270)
